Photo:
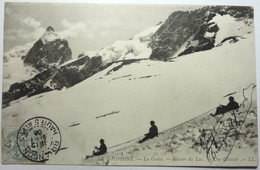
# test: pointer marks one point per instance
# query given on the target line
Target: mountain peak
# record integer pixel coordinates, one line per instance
(49, 35)
(50, 29)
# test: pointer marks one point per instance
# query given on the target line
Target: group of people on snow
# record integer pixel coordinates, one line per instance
(102, 149)
(153, 131)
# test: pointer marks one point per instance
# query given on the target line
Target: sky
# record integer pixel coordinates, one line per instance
(86, 27)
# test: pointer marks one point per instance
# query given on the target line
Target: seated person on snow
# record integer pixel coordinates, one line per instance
(232, 105)
(100, 150)
(153, 131)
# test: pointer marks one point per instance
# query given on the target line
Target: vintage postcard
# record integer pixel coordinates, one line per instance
(129, 84)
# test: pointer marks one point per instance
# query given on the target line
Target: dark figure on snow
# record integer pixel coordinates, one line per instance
(153, 131)
(100, 150)
(232, 105)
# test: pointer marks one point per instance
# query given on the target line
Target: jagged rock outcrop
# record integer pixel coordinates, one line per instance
(203, 42)
(46, 55)
(55, 78)
(192, 30)
(28, 88)
(49, 50)
(76, 71)
(177, 29)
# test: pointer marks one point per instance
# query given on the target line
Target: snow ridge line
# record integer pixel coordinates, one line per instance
(188, 120)
(164, 130)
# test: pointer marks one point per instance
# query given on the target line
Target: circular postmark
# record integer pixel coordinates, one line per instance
(39, 138)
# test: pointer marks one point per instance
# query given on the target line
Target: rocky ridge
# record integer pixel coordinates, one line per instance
(192, 30)
(52, 58)
(47, 51)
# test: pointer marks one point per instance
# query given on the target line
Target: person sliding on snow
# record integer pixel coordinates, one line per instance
(100, 150)
(153, 131)
(232, 105)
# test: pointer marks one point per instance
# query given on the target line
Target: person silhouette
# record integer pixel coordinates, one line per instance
(232, 105)
(100, 150)
(153, 131)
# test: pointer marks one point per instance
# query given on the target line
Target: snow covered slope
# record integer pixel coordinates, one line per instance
(134, 48)
(119, 106)
(14, 69)
(235, 27)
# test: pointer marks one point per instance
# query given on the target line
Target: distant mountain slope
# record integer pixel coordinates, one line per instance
(24, 62)
(14, 69)
(28, 68)
(134, 48)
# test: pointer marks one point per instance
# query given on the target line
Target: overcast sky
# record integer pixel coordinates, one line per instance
(86, 26)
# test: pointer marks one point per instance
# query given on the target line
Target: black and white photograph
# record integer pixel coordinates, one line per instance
(116, 84)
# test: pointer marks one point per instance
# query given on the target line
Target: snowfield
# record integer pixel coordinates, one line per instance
(14, 69)
(235, 27)
(134, 48)
(129, 98)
